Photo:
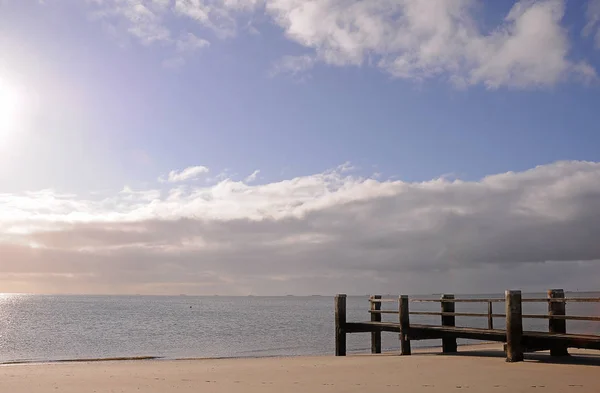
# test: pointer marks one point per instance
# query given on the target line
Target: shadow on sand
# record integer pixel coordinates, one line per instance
(576, 358)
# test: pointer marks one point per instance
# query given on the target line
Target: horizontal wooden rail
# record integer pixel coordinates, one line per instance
(525, 300)
(517, 340)
(384, 312)
(383, 300)
(541, 300)
(562, 317)
(457, 314)
(565, 300)
(474, 314)
(456, 300)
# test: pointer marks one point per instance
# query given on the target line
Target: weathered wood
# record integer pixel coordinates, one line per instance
(404, 317)
(426, 332)
(557, 325)
(532, 341)
(517, 341)
(340, 325)
(570, 340)
(375, 317)
(494, 300)
(457, 300)
(367, 327)
(418, 331)
(514, 327)
(565, 300)
(457, 314)
(448, 343)
(562, 317)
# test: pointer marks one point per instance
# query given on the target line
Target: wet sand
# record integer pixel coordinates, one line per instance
(474, 369)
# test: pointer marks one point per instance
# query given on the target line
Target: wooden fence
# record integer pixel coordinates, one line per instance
(517, 340)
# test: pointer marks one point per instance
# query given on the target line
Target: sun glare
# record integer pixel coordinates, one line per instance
(11, 103)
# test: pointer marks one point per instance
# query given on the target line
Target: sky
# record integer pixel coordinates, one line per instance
(273, 147)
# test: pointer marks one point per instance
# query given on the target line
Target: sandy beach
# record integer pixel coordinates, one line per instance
(475, 369)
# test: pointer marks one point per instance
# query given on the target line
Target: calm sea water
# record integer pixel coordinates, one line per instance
(43, 328)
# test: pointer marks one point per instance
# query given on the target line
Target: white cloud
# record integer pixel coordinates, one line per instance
(195, 9)
(529, 50)
(592, 27)
(346, 167)
(127, 193)
(190, 43)
(322, 233)
(146, 21)
(252, 177)
(186, 45)
(420, 39)
(585, 72)
(216, 15)
(252, 29)
(293, 65)
(142, 19)
(162, 4)
(186, 174)
(411, 39)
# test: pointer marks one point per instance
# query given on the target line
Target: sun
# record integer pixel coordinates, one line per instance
(11, 104)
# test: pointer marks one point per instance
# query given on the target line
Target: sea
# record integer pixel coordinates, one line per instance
(43, 328)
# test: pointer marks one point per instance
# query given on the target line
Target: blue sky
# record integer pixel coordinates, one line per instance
(224, 109)
(113, 95)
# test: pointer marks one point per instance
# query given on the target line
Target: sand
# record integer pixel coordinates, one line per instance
(475, 369)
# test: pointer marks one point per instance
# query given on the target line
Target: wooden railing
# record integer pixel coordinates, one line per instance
(517, 341)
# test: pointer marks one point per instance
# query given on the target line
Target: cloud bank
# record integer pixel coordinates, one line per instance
(324, 233)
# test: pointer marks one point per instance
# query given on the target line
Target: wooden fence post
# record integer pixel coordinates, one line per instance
(490, 318)
(375, 317)
(557, 325)
(514, 326)
(448, 343)
(340, 325)
(404, 325)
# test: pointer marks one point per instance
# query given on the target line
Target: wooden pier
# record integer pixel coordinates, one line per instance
(517, 341)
